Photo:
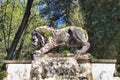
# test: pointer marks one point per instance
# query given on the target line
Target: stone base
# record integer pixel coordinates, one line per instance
(60, 68)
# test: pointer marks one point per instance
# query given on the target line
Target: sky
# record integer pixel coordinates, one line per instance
(0, 1)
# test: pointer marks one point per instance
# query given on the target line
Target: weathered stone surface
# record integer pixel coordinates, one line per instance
(59, 68)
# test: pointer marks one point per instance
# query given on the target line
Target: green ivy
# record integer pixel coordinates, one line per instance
(3, 73)
(66, 52)
(46, 33)
(91, 57)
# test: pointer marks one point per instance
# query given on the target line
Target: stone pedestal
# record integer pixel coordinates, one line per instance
(60, 68)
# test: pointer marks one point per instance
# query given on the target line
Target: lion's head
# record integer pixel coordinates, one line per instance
(37, 39)
(40, 35)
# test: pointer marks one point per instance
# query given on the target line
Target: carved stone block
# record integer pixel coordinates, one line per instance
(60, 68)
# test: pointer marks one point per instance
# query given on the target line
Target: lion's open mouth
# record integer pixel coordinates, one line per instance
(34, 42)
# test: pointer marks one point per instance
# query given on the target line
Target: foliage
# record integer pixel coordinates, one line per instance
(76, 16)
(66, 52)
(103, 25)
(11, 17)
(91, 57)
(54, 10)
(1, 64)
(3, 73)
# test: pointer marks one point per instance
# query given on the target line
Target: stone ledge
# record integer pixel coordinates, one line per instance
(17, 61)
(79, 61)
(103, 61)
(79, 58)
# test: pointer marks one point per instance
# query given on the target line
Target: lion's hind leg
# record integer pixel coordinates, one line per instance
(82, 39)
(85, 47)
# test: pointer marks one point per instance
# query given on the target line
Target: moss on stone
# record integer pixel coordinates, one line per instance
(66, 52)
(85, 33)
(91, 57)
(46, 33)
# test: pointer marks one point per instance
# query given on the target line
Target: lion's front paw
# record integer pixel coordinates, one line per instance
(37, 53)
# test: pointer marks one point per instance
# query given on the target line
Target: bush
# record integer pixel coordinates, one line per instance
(102, 19)
(3, 73)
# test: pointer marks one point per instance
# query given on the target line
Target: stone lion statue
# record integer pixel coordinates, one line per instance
(47, 38)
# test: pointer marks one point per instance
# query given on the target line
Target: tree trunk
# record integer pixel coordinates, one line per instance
(20, 30)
